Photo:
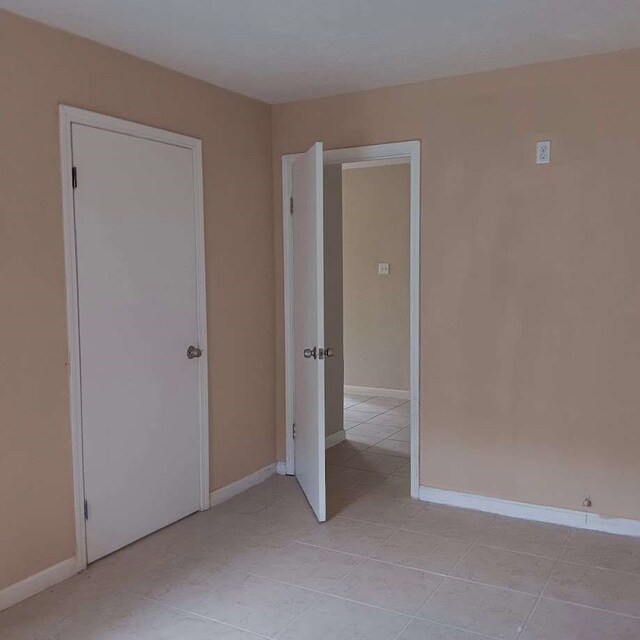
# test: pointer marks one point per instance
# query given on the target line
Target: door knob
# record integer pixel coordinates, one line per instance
(326, 352)
(193, 352)
(311, 353)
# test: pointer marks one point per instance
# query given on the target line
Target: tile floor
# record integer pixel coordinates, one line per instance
(383, 567)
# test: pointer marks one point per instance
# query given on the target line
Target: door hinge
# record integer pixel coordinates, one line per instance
(294, 430)
(86, 510)
(74, 177)
(291, 206)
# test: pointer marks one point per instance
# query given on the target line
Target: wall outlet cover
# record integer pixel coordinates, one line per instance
(543, 152)
(383, 268)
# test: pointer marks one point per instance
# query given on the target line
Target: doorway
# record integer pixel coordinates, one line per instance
(137, 328)
(367, 265)
(405, 152)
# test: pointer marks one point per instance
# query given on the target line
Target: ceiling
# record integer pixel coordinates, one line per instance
(285, 50)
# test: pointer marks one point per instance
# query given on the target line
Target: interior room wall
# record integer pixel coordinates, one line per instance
(376, 307)
(530, 274)
(41, 69)
(334, 367)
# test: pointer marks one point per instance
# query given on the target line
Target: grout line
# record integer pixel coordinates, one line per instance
(424, 604)
(600, 568)
(463, 629)
(319, 546)
(471, 546)
(544, 586)
(196, 615)
(449, 574)
(409, 621)
(401, 527)
(452, 577)
(524, 553)
(474, 544)
(586, 606)
(559, 558)
(364, 558)
(395, 528)
(324, 594)
(346, 575)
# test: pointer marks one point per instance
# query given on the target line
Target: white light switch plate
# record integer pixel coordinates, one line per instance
(383, 268)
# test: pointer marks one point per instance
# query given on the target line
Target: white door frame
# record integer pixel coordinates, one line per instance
(394, 150)
(69, 116)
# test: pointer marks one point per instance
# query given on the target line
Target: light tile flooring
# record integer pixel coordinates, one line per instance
(383, 567)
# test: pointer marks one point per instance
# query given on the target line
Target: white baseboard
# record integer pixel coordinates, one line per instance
(281, 468)
(28, 587)
(335, 438)
(222, 495)
(540, 513)
(376, 391)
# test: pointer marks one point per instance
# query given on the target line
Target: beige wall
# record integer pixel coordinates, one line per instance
(40, 69)
(334, 367)
(376, 308)
(530, 289)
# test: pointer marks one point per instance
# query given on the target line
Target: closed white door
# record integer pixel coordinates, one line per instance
(308, 327)
(135, 224)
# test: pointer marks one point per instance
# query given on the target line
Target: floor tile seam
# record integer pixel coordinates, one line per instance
(484, 584)
(367, 604)
(424, 604)
(387, 412)
(346, 466)
(371, 398)
(391, 436)
(304, 611)
(441, 575)
(386, 524)
(363, 560)
(462, 558)
(437, 535)
(342, 464)
(544, 586)
(587, 606)
(601, 568)
(377, 444)
(497, 547)
(476, 543)
(457, 628)
(194, 614)
(346, 575)
(327, 594)
(355, 408)
(317, 592)
(399, 634)
(320, 546)
(243, 572)
(395, 527)
(391, 426)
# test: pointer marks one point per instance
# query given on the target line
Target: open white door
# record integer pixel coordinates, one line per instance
(308, 327)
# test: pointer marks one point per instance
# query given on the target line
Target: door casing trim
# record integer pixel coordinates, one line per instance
(69, 116)
(392, 152)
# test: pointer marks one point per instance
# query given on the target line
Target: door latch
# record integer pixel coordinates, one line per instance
(311, 353)
(325, 352)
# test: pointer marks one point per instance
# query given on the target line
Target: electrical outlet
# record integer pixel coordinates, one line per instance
(543, 152)
(383, 268)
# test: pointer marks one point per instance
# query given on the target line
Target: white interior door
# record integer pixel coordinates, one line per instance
(308, 327)
(135, 222)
